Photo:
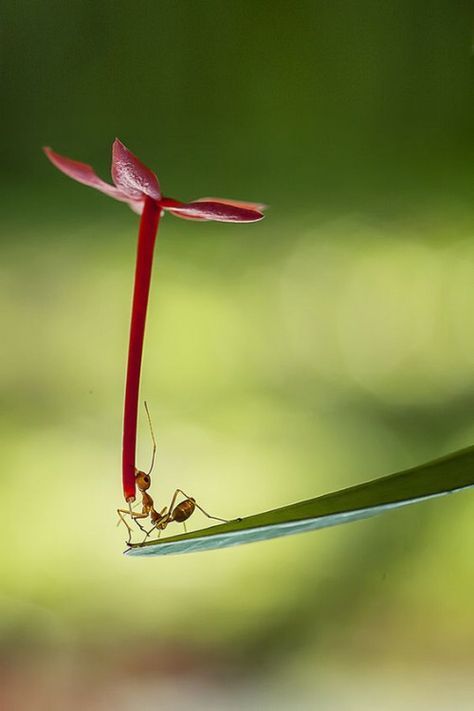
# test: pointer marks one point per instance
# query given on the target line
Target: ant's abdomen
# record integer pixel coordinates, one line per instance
(183, 510)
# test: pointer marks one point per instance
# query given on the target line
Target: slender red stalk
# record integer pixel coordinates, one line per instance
(138, 186)
(146, 242)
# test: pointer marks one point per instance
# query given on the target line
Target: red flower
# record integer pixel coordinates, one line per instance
(138, 186)
(133, 182)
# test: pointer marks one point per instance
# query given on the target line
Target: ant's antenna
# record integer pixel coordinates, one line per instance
(153, 438)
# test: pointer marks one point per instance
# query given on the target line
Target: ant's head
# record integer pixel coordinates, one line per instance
(142, 480)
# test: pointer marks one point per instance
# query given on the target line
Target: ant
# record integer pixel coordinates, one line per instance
(160, 520)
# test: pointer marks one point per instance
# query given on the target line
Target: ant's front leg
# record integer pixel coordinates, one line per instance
(124, 520)
(134, 516)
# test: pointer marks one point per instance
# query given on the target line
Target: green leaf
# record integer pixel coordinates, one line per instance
(441, 476)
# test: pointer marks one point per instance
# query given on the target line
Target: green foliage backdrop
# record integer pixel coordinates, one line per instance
(300, 355)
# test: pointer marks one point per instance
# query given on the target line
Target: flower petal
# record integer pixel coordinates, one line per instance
(84, 174)
(211, 210)
(131, 176)
(260, 206)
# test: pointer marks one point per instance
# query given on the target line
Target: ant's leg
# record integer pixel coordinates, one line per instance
(124, 511)
(128, 512)
(133, 515)
(216, 518)
(185, 529)
(150, 532)
(173, 500)
(163, 521)
(147, 534)
(122, 519)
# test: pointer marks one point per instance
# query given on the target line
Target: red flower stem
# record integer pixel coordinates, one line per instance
(146, 242)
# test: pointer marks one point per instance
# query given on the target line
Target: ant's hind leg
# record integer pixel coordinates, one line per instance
(215, 518)
(173, 500)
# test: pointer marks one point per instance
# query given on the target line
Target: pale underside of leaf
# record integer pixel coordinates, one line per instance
(447, 475)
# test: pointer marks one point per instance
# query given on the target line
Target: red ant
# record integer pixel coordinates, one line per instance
(160, 520)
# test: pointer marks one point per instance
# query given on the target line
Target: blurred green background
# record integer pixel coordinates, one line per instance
(327, 345)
